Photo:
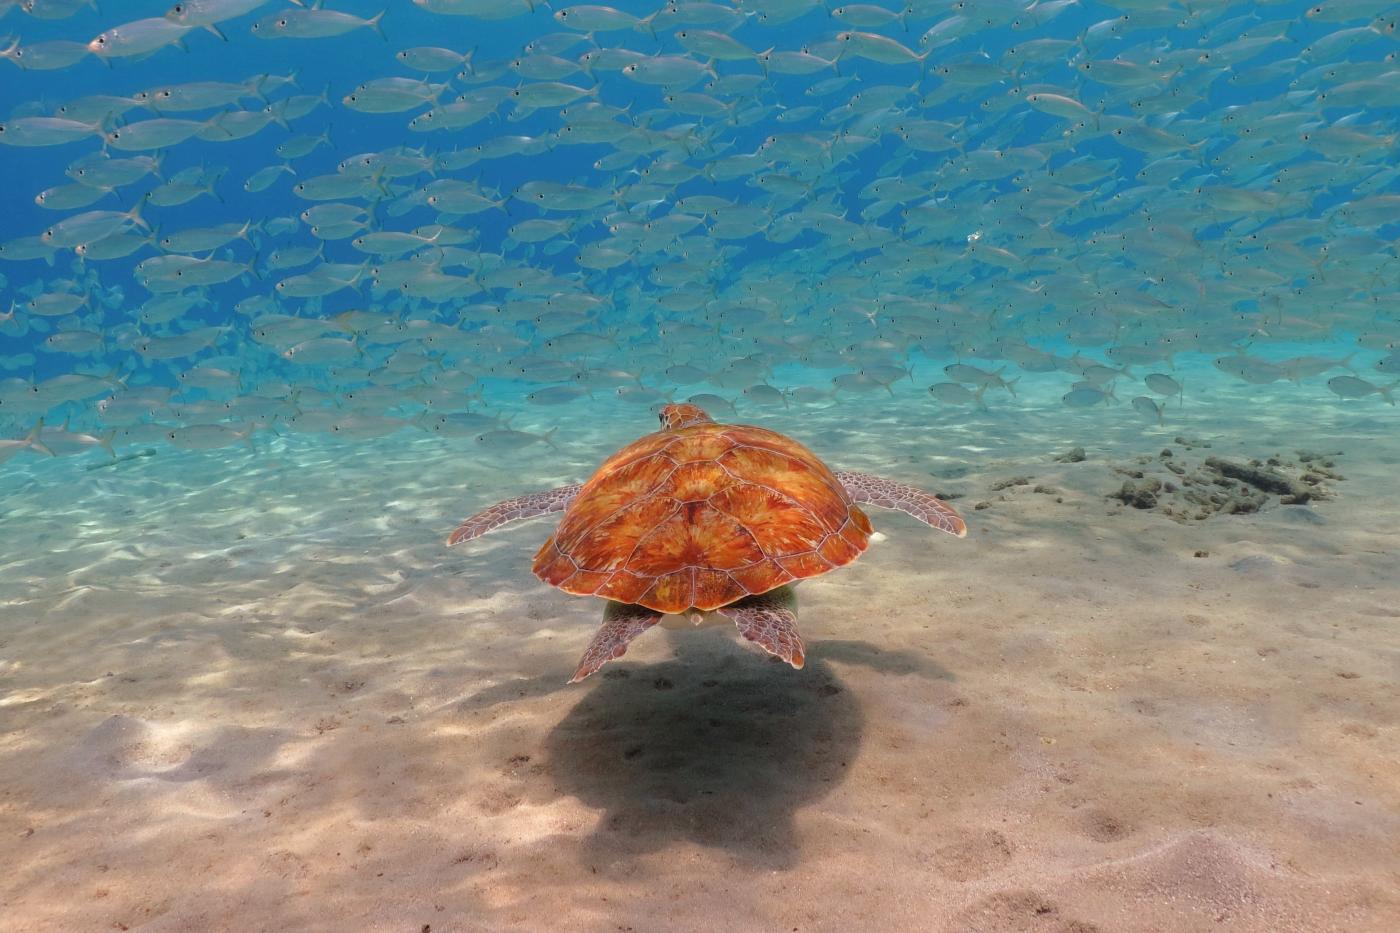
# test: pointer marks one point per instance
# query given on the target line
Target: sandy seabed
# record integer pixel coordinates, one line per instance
(253, 691)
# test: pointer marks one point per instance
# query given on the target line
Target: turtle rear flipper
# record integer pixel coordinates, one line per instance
(869, 489)
(769, 620)
(521, 507)
(622, 622)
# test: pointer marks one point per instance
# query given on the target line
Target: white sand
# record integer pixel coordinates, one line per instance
(255, 692)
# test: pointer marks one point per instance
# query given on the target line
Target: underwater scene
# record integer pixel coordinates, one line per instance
(731, 465)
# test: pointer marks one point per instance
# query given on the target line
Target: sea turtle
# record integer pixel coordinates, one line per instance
(702, 518)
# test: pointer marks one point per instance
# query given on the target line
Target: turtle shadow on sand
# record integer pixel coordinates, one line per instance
(720, 754)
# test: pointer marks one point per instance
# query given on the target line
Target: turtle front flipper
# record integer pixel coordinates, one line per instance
(529, 506)
(869, 489)
(769, 620)
(622, 622)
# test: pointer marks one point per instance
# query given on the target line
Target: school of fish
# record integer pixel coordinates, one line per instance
(752, 202)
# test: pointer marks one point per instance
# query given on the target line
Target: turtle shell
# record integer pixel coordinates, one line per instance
(700, 516)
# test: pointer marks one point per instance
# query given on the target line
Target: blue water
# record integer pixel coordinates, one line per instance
(851, 289)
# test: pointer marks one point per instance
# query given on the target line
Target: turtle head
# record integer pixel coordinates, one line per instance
(677, 416)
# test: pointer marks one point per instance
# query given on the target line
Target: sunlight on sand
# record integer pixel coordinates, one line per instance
(259, 685)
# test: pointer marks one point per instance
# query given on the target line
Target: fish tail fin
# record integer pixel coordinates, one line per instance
(31, 439)
(1010, 385)
(548, 436)
(34, 439)
(978, 397)
(135, 214)
(105, 442)
(374, 24)
(1386, 391)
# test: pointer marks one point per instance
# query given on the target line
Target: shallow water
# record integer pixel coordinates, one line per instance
(1165, 705)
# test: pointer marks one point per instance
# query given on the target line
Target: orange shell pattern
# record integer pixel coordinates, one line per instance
(698, 517)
